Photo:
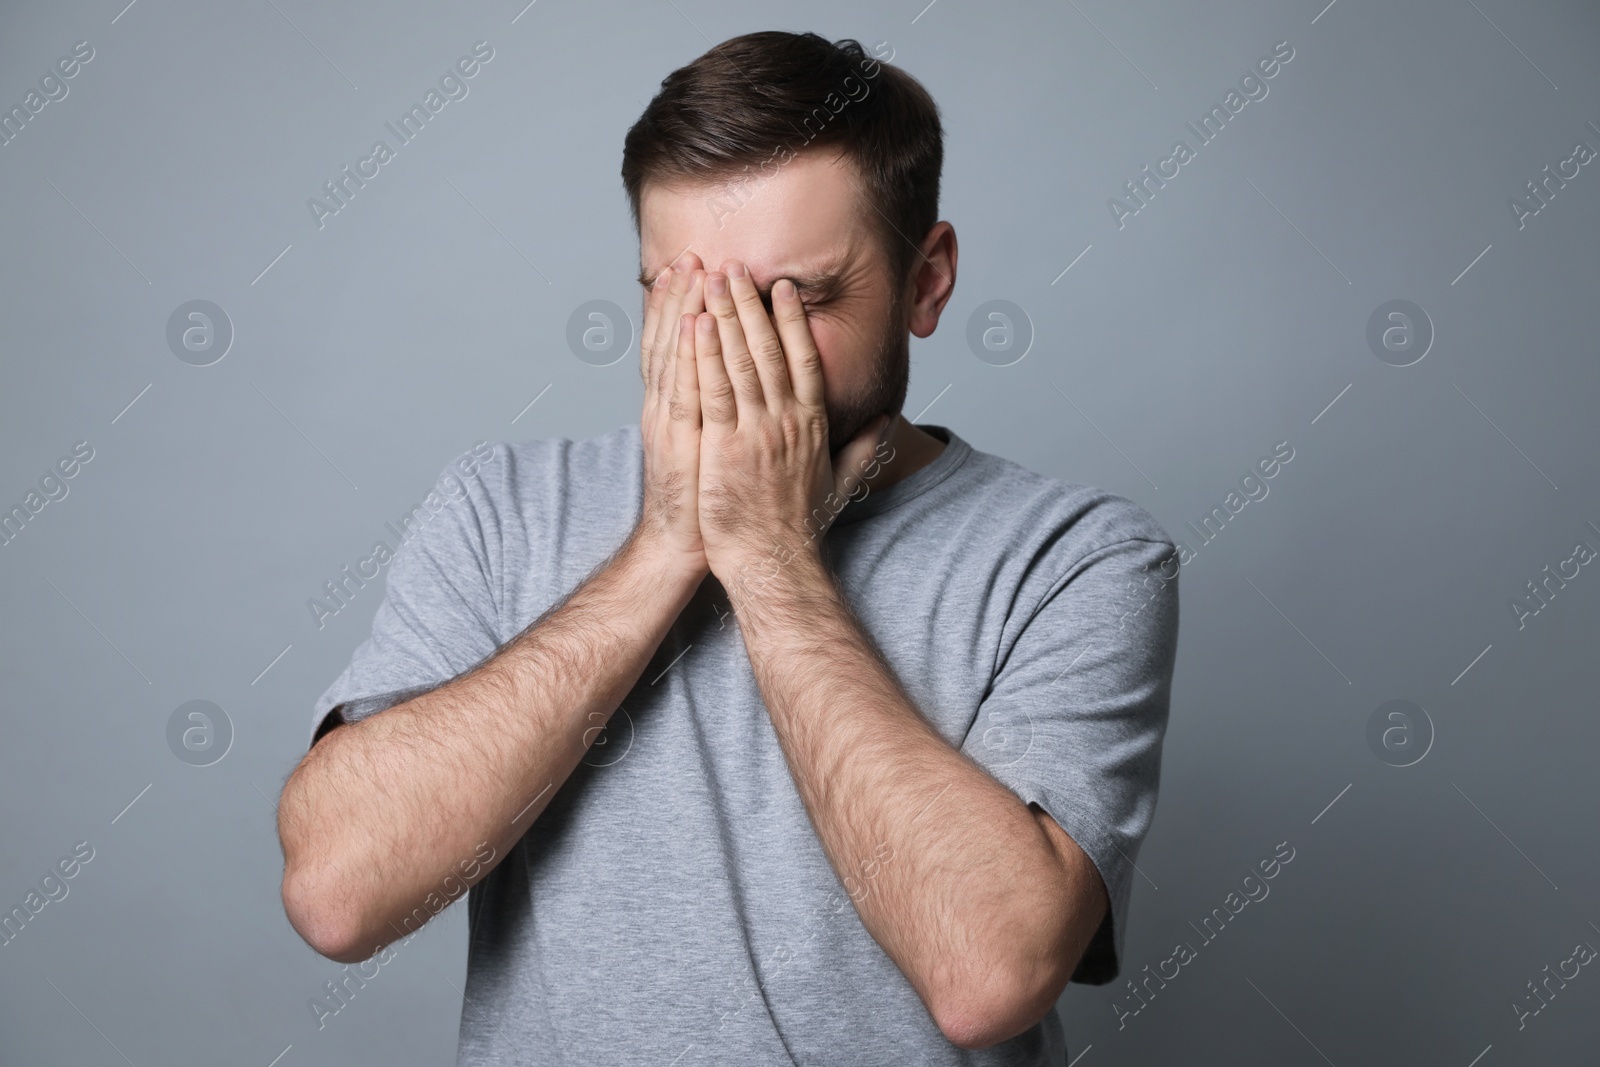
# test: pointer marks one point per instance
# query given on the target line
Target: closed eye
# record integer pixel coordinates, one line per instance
(808, 300)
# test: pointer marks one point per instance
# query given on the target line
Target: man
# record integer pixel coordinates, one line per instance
(775, 729)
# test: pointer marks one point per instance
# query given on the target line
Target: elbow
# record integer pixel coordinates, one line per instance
(328, 925)
(967, 1031)
(980, 1016)
(318, 905)
(980, 1024)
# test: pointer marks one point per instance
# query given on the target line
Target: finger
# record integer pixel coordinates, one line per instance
(763, 343)
(689, 260)
(694, 298)
(692, 304)
(799, 348)
(648, 353)
(664, 325)
(736, 355)
(684, 405)
(679, 276)
(718, 405)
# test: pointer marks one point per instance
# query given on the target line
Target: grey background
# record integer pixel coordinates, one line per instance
(1229, 315)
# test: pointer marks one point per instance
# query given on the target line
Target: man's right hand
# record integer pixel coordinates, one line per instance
(669, 520)
(434, 790)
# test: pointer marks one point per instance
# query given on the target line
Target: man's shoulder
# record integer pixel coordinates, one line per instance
(543, 463)
(1076, 517)
(615, 446)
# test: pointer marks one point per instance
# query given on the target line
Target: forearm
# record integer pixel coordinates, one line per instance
(949, 870)
(383, 812)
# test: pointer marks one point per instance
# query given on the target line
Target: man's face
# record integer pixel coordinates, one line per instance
(805, 223)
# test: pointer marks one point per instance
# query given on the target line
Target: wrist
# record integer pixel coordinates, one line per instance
(650, 559)
(781, 570)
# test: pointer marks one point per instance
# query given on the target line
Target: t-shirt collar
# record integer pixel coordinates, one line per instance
(955, 453)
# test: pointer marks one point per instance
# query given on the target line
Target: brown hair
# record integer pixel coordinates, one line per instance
(754, 102)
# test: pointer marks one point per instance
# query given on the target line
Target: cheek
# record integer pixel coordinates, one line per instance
(833, 348)
(848, 351)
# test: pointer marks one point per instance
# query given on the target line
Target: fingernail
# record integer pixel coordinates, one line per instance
(783, 287)
(736, 269)
(661, 279)
(717, 284)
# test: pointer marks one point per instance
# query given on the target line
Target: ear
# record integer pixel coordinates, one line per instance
(932, 280)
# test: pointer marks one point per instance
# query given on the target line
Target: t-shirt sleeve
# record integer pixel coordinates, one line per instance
(440, 609)
(1075, 716)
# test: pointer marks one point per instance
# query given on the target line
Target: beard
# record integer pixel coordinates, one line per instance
(885, 391)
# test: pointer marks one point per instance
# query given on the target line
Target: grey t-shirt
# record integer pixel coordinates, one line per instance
(673, 905)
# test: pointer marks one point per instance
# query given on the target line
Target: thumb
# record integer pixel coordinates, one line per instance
(853, 458)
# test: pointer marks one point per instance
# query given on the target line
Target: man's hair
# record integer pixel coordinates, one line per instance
(752, 103)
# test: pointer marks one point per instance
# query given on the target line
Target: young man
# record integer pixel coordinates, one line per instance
(775, 729)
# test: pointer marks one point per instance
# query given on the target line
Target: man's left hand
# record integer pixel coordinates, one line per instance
(768, 487)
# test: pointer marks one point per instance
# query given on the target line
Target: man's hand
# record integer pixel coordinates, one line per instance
(669, 519)
(768, 488)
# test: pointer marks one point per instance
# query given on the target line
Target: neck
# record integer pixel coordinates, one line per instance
(913, 449)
